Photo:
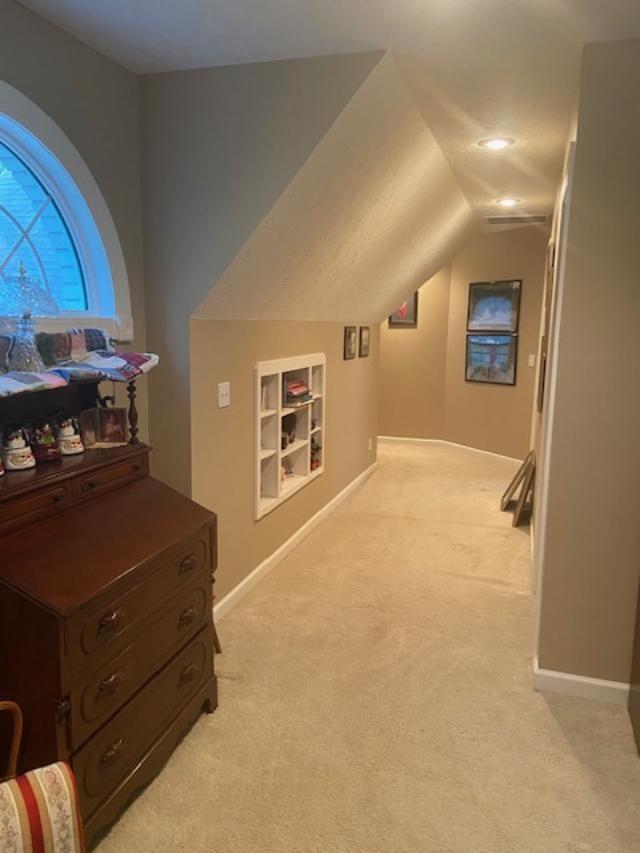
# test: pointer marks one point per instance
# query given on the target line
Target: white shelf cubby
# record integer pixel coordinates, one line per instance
(282, 471)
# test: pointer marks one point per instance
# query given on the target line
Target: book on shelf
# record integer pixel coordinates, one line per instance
(297, 393)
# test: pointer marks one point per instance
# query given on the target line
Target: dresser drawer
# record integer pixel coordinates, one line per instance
(108, 628)
(95, 700)
(113, 754)
(34, 506)
(109, 477)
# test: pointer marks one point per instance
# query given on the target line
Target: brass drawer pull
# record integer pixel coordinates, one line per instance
(110, 622)
(137, 467)
(112, 755)
(110, 685)
(58, 497)
(89, 485)
(187, 617)
(188, 564)
(189, 673)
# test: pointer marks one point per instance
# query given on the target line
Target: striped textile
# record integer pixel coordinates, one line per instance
(39, 813)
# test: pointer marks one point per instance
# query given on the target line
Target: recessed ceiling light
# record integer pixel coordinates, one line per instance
(496, 143)
(508, 202)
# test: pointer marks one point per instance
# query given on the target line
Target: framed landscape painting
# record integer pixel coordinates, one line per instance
(350, 345)
(494, 306)
(491, 359)
(363, 344)
(406, 315)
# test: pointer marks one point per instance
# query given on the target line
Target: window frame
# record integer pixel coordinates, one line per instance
(46, 150)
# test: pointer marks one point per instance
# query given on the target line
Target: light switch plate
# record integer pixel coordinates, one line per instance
(224, 394)
(532, 361)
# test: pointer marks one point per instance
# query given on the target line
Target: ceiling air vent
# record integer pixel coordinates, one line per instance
(516, 220)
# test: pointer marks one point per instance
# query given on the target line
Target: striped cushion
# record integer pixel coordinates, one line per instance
(39, 813)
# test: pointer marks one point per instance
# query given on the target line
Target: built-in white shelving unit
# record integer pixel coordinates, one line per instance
(282, 471)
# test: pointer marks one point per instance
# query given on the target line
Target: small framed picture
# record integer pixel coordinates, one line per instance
(491, 359)
(406, 315)
(89, 430)
(112, 423)
(350, 341)
(494, 306)
(363, 344)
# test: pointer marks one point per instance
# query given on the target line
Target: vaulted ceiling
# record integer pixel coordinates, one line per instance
(477, 68)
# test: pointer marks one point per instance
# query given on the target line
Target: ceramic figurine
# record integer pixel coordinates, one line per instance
(43, 441)
(316, 450)
(16, 453)
(69, 436)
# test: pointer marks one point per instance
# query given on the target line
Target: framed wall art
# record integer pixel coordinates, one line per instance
(491, 359)
(406, 315)
(350, 342)
(494, 306)
(363, 343)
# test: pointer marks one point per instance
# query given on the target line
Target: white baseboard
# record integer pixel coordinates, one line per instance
(580, 685)
(238, 592)
(403, 440)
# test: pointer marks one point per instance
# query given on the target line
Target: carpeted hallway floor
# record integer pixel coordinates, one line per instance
(376, 696)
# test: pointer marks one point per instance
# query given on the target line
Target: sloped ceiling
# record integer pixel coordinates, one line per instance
(478, 68)
(373, 213)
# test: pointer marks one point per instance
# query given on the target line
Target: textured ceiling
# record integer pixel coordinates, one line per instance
(373, 213)
(477, 67)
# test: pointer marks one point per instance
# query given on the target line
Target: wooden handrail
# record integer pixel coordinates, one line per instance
(16, 713)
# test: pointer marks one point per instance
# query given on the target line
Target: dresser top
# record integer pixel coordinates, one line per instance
(15, 483)
(67, 560)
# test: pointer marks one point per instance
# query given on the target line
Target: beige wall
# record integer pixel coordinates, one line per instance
(95, 102)
(495, 417)
(423, 390)
(413, 367)
(223, 439)
(591, 557)
(220, 146)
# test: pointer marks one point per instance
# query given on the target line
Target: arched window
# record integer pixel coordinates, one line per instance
(35, 243)
(58, 241)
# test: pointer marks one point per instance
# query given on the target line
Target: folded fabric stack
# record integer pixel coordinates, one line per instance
(297, 393)
(72, 356)
(107, 364)
(72, 345)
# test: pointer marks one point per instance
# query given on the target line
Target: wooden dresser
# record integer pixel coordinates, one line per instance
(106, 620)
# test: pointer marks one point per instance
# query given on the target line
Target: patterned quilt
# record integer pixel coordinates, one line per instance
(74, 355)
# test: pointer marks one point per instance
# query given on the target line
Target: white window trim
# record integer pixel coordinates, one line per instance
(44, 147)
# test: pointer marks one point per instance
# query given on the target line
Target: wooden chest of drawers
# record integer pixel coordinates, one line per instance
(106, 623)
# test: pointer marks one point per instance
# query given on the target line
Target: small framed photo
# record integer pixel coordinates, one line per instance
(363, 344)
(350, 341)
(89, 430)
(112, 423)
(494, 306)
(406, 315)
(491, 359)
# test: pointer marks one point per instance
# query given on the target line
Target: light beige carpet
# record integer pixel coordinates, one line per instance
(376, 695)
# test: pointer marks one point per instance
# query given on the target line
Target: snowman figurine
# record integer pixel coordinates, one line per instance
(43, 441)
(16, 453)
(69, 436)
